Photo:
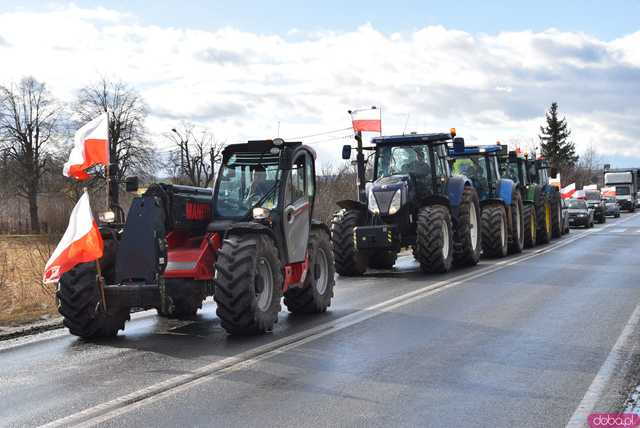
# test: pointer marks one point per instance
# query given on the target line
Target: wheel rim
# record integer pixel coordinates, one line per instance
(264, 284)
(445, 243)
(533, 227)
(547, 217)
(473, 226)
(321, 268)
(503, 234)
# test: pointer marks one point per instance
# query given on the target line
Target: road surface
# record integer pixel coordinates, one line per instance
(537, 340)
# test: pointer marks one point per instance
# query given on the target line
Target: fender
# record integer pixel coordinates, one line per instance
(505, 190)
(455, 188)
(317, 224)
(249, 227)
(348, 204)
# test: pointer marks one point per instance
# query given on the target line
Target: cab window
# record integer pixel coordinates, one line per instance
(297, 186)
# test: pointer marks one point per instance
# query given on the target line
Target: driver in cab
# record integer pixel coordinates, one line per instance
(260, 187)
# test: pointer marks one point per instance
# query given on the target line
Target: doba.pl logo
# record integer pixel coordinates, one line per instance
(614, 420)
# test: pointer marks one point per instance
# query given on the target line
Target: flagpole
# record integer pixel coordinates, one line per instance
(106, 167)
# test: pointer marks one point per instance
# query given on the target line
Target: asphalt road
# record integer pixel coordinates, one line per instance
(538, 340)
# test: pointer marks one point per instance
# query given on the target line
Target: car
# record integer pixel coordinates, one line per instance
(580, 214)
(595, 202)
(613, 209)
(565, 216)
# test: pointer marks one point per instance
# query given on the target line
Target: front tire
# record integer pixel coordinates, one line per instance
(79, 303)
(516, 234)
(316, 293)
(434, 239)
(556, 216)
(468, 239)
(494, 231)
(348, 260)
(248, 284)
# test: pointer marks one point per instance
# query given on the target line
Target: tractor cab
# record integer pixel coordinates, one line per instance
(514, 166)
(480, 165)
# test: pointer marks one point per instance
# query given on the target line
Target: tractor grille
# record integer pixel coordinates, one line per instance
(383, 198)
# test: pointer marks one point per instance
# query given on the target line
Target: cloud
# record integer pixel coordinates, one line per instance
(242, 84)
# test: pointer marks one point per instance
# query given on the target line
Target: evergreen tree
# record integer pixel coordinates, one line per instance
(554, 141)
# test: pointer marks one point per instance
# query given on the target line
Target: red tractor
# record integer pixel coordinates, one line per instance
(247, 242)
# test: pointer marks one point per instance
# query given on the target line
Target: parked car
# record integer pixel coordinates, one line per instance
(580, 214)
(595, 202)
(613, 209)
(565, 216)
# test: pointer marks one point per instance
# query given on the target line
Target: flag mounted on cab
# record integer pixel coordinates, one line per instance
(80, 243)
(366, 120)
(90, 148)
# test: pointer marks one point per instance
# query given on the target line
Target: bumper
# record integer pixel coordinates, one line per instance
(613, 212)
(578, 221)
(625, 205)
(133, 295)
(383, 237)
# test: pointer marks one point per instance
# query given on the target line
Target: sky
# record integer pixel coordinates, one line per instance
(250, 69)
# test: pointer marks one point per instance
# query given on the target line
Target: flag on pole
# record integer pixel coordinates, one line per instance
(568, 191)
(80, 243)
(90, 147)
(366, 120)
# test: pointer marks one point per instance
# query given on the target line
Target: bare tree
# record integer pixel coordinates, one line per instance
(196, 156)
(129, 147)
(588, 170)
(29, 122)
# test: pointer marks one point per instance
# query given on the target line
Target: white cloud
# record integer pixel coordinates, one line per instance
(242, 84)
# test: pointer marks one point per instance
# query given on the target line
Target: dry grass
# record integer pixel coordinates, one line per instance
(23, 297)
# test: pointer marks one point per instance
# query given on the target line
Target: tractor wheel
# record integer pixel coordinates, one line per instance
(79, 303)
(556, 215)
(543, 216)
(317, 291)
(248, 284)
(382, 260)
(434, 239)
(494, 231)
(349, 262)
(468, 239)
(516, 234)
(530, 226)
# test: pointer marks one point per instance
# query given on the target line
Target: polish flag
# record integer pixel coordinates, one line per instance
(609, 192)
(80, 243)
(367, 120)
(90, 147)
(568, 191)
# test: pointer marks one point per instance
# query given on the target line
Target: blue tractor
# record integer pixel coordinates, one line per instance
(413, 201)
(500, 198)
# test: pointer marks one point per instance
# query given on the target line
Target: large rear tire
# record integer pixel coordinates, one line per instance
(531, 226)
(348, 260)
(248, 284)
(494, 231)
(543, 216)
(317, 291)
(467, 244)
(79, 303)
(434, 239)
(516, 233)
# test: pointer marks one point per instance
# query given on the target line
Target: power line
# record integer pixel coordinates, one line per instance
(318, 134)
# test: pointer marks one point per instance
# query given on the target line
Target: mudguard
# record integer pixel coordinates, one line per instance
(317, 224)
(349, 204)
(505, 190)
(455, 188)
(251, 227)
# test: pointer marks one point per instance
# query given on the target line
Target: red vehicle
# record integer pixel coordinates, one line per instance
(248, 242)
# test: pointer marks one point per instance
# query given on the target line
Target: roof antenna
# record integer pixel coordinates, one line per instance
(406, 122)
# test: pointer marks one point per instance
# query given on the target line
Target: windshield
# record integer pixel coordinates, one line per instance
(622, 190)
(577, 205)
(246, 180)
(405, 159)
(478, 168)
(592, 196)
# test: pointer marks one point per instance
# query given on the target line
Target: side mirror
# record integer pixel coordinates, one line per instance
(458, 145)
(132, 184)
(346, 152)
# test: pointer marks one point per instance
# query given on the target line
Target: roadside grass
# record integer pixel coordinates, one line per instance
(23, 297)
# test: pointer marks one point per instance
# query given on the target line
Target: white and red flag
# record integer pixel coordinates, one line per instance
(568, 191)
(80, 243)
(90, 147)
(609, 192)
(366, 120)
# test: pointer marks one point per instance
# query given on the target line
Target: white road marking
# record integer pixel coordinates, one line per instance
(110, 409)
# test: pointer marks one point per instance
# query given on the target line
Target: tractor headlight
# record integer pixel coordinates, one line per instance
(107, 217)
(396, 202)
(261, 213)
(373, 204)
